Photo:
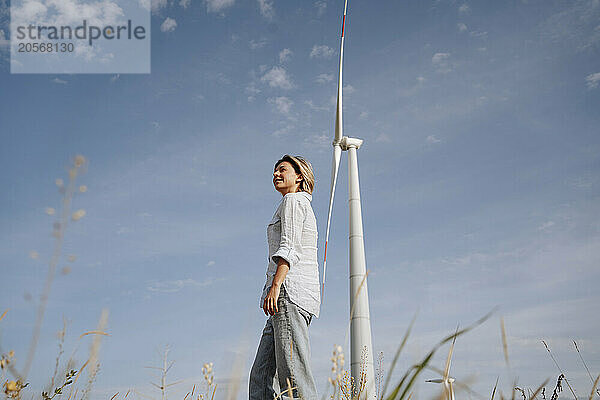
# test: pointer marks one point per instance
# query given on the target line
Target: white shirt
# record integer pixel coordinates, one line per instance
(292, 235)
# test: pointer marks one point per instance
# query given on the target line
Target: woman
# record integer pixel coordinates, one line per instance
(291, 295)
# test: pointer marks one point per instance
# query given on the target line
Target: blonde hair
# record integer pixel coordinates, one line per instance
(302, 167)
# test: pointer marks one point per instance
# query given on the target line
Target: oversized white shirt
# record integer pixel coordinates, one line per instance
(292, 235)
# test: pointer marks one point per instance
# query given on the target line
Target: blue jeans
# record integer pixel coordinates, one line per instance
(284, 347)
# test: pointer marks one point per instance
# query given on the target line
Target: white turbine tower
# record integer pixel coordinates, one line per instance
(447, 381)
(360, 323)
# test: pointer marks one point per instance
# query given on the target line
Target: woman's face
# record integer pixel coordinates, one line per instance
(285, 178)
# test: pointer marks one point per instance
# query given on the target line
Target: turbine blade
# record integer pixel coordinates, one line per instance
(335, 166)
(339, 128)
(434, 380)
(337, 150)
(451, 391)
(447, 369)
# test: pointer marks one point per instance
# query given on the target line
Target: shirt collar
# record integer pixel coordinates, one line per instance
(305, 194)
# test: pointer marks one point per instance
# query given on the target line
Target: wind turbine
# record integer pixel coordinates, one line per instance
(360, 323)
(447, 381)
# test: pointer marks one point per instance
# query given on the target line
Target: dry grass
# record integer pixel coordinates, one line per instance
(561, 371)
(13, 388)
(58, 233)
(504, 341)
(342, 384)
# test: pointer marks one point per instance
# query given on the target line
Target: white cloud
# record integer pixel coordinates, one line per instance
(277, 77)
(86, 52)
(363, 115)
(284, 130)
(593, 80)
(71, 12)
(348, 89)
(67, 12)
(168, 25)
(319, 141)
(383, 138)
(582, 182)
(266, 8)
(441, 63)
(421, 79)
(439, 57)
(106, 58)
(252, 89)
(478, 34)
(432, 139)
(257, 44)
(546, 225)
(60, 81)
(222, 78)
(114, 78)
(461, 27)
(156, 5)
(218, 5)
(575, 26)
(464, 9)
(210, 263)
(314, 107)
(333, 100)
(176, 285)
(285, 55)
(321, 51)
(123, 229)
(185, 3)
(3, 41)
(321, 6)
(4, 8)
(29, 11)
(283, 104)
(324, 78)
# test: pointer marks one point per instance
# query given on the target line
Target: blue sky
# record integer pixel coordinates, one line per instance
(480, 181)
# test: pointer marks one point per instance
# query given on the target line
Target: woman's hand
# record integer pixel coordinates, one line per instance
(270, 303)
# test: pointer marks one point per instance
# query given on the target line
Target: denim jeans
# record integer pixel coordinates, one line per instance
(284, 347)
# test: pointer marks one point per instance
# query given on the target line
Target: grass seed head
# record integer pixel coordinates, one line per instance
(79, 160)
(77, 215)
(12, 389)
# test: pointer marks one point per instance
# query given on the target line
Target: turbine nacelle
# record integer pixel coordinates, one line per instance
(446, 380)
(448, 387)
(348, 142)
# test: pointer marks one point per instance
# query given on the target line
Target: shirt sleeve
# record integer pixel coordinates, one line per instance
(292, 215)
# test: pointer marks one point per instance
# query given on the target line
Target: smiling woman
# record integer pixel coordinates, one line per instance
(291, 294)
